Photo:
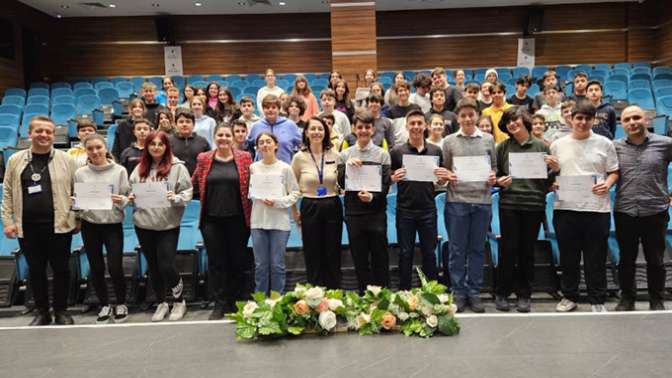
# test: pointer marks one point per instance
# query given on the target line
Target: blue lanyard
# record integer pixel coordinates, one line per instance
(320, 169)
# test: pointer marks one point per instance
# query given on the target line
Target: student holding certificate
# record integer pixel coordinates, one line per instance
(321, 216)
(589, 167)
(522, 201)
(365, 209)
(416, 208)
(222, 179)
(469, 156)
(157, 220)
(273, 189)
(102, 223)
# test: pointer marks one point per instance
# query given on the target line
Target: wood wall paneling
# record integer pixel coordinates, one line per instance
(353, 33)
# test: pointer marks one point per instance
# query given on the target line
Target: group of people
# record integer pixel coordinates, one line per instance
(252, 173)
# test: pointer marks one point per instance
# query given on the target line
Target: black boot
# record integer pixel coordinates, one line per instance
(41, 318)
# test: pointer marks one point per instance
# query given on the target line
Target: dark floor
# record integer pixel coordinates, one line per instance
(495, 345)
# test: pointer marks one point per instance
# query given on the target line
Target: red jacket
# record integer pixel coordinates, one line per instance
(203, 166)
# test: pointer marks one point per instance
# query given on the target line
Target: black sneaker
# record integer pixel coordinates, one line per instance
(120, 313)
(476, 305)
(625, 304)
(460, 302)
(502, 303)
(42, 318)
(63, 318)
(104, 315)
(217, 313)
(656, 305)
(524, 305)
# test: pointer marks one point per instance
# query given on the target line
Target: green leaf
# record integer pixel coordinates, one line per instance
(275, 295)
(295, 330)
(448, 325)
(431, 298)
(384, 304)
(245, 331)
(259, 297)
(421, 275)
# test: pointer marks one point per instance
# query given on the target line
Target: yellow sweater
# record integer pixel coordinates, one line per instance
(496, 115)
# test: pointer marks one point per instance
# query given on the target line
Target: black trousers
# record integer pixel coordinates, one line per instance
(160, 249)
(322, 233)
(95, 236)
(368, 245)
(409, 223)
(225, 240)
(650, 230)
(515, 268)
(41, 245)
(583, 232)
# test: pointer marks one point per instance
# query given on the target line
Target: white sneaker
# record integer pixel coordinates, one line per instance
(565, 305)
(104, 315)
(120, 313)
(161, 312)
(179, 309)
(598, 308)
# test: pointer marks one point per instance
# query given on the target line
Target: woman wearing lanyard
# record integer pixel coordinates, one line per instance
(321, 217)
(103, 227)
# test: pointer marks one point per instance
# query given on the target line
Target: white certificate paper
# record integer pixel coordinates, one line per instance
(420, 168)
(266, 186)
(577, 189)
(366, 177)
(527, 165)
(151, 195)
(93, 196)
(472, 168)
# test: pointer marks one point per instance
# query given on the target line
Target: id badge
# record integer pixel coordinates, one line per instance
(321, 191)
(35, 189)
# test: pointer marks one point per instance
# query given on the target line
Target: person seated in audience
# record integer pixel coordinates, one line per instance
(485, 124)
(468, 207)
(605, 116)
(165, 121)
(84, 127)
(185, 144)
(132, 154)
(270, 217)
(162, 95)
(158, 229)
(188, 93)
(384, 133)
(222, 179)
(269, 88)
(302, 89)
(37, 191)
(333, 78)
(416, 208)
(473, 91)
(378, 88)
(227, 109)
(497, 109)
(522, 204)
(440, 79)
(211, 105)
(485, 96)
(422, 84)
(288, 139)
(438, 101)
(520, 98)
(296, 107)
(103, 228)
(239, 128)
(365, 212)
(641, 209)
(404, 105)
(435, 130)
(201, 93)
(123, 135)
(550, 79)
(552, 111)
(321, 211)
(334, 137)
(491, 76)
(204, 125)
(390, 95)
(582, 226)
(342, 123)
(580, 86)
(149, 98)
(247, 110)
(539, 128)
(284, 98)
(173, 100)
(460, 78)
(362, 92)
(343, 102)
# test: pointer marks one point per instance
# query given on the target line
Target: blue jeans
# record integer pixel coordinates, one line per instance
(408, 223)
(467, 227)
(269, 258)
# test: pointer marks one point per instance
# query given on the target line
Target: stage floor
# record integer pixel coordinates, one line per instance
(542, 344)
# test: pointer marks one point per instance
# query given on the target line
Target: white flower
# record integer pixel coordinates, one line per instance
(443, 298)
(427, 310)
(271, 302)
(440, 309)
(327, 320)
(300, 291)
(249, 309)
(334, 304)
(375, 290)
(452, 309)
(363, 319)
(403, 316)
(432, 321)
(314, 296)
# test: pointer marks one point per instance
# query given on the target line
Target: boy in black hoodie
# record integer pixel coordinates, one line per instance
(186, 145)
(605, 117)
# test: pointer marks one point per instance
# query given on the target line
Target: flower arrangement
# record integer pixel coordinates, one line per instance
(422, 311)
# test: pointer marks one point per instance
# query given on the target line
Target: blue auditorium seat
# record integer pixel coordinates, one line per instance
(158, 81)
(55, 92)
(38, 99)
(103, 85)
(108, 96)
(663, 76)
(36, 108)
(125, 89)
(391, 217)
(179, 81)
(13, 100)
(110, 136)
(660, 124)
(40, 85)
(664, 105)
(63, 113)
(640, 84)
(137, 83)
(8, 137)
(616, 89)
(441, 229)
(15, 92)
(79, 92)
(624, 66)
(495, 233)
(603, 67)
(640, 76)
(38, 92)
(11, 109)
(190, 235)
(63, 99)
(82, 85)
(60, 84)
(539, 71)
(10, 120)
(641, 97)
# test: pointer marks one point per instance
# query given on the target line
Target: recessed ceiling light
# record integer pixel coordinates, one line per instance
(58, 16)
(64, 6)
(155, 5)
(112, 5)
(197, 4)
(282, 3)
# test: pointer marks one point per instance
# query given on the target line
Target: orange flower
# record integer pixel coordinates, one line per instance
(389, 321)
(301, 307)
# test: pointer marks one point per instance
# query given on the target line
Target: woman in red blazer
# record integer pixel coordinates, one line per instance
(222, 179)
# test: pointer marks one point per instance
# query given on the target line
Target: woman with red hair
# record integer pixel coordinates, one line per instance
(158, 229)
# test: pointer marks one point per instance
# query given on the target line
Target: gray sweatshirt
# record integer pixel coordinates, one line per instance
(113, 174)
(167, 218)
